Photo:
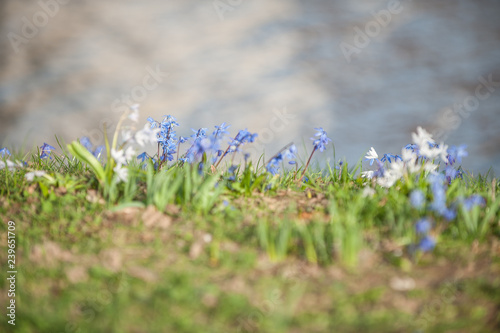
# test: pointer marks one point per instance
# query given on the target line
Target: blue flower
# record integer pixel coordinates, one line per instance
(449, 214)
(5, 151)
(321, 142)
(85, 141)
(288, 153)
(273, 166)
(427, 244)
(422, 226)
(472, 201)
(451, 173)
(439, 196)
(380, 172)
(387, 157)
(167, 138)
(232, 170)
(455, 154)
(142, 157)
(240, 138)
(220, 130)
(45, 150)
(417, 198)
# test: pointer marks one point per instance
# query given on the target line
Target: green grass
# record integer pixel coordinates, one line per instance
(254, 254)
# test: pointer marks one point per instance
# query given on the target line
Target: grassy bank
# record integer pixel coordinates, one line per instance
(194, 244)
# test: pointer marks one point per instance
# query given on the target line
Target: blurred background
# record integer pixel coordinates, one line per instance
(369, 72)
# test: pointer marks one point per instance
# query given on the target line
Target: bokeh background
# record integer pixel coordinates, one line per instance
(275, 67)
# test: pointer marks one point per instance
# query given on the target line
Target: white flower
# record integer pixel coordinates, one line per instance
(121, 173)
(413, 167)
(10, 165)
(443, 152)
(31, 175)
(147, 135)
(122, 157)
(367, 174)
(390, 177)
(398, 169)
(118, 156)
(126, 135)
(134, 116)
(429, 167)
(422, 138)
(372, 154)
(432, 152)
(130, 154)
(408, 156)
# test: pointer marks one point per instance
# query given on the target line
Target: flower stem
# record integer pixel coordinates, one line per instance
(307, 164)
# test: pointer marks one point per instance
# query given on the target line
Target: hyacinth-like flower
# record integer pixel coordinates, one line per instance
(416, 158)
(30, 176)
(318, 144)
(10, 165)
(220, 131)
(134, 115)
(4, 151)
(388, 157)
(417, 198)
(371, 155)
(427, 243)
(85, 141)
(242, 137)
(147, 135)
(428, 148)
(167, 137)
(274, 163)
(143, 156)
(199, 146)
(439, 196)
(423, 226)
(455, 154)
(322, 140)
(472, 201)
(45, 150)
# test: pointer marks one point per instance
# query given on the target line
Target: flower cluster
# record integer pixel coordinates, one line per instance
(274, 163)
(425, 241)
(322, 140)
(420, 156)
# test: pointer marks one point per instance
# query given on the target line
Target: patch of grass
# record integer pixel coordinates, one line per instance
(190, 248)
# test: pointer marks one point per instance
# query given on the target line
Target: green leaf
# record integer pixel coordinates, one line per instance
(82, 154)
